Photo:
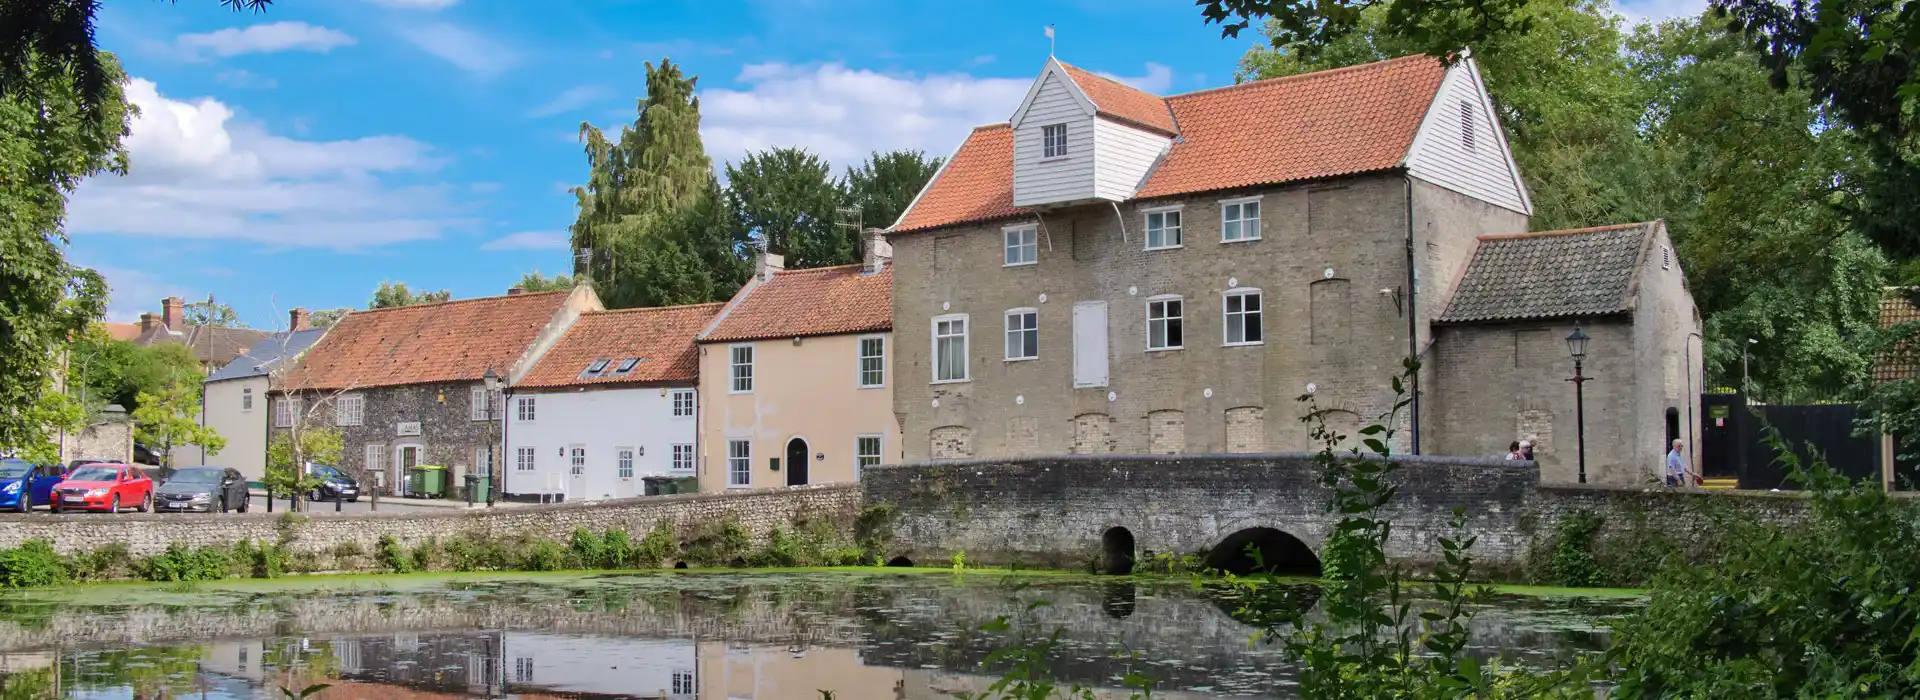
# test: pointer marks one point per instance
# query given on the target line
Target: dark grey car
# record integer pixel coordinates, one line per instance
(202, 489)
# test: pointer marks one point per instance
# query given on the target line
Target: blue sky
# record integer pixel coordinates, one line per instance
(301, 156)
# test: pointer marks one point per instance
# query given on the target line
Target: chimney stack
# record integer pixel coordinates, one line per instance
(516, 290)
(299, 320)
(879, 251)
(173, 313)
(147, 321)
(770, 262)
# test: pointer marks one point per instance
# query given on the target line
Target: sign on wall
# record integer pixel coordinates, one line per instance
(407, 429)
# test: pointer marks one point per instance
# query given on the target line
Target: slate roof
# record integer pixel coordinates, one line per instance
(1898, 307)
(213, 345)
(266, 355)
(662, 338)
(816, 301)
(1122, 101)
(425, 343)
(1551, 274)
(1304, 127)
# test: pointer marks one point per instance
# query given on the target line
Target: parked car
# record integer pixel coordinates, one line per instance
(105, 486)
(145, 455)
(209, 489)
(335, 485)
(24, 485)
(84, 461)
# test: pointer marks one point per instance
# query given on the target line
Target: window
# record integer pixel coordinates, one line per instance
(1023, 245)
(483, 459)
(683, 683)
(1240, 220)
(1163, 229)
(523, 670)
(284, 410)
(578, 459)
(348, 410)
(376, 457)
(524, 407)
(1055, 136)
(1163, 324)
(627, 365)
(596, 367)
(246, 399)
(683, 458)
(625, 466)
(950, 348)
(739, 462)
(1023, 334)
(742, 369)
(523, 459)
(1466, 125)
(873, 362)
(1240, 317)
(683, 403)
(866, 451)
(479, 408)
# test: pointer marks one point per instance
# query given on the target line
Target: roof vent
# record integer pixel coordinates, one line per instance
(1666, 258)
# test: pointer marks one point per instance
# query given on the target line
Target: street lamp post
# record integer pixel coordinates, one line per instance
(492, 380)
(1746, 389)
(1577, 347)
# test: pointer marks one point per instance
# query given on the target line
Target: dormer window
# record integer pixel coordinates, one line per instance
(1055, 136)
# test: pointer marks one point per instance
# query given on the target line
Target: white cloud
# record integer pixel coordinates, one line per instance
(417, 4)
(131, 291)
(1158, 80)
(245, 79)
(271, 37)
(529, 240)
(843, 114)
(1641, 11)
(196, 172)
(466, 49)
(571, 99)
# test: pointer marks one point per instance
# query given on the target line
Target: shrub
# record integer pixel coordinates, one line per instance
(392, 556)
(265, 561)
(33, 563)
(658, 547)
(466, 553)
(183, 563)
(873, 529)
(586, 550)
(426, 557)
(108, 562)
(1571, 563)
(780, 550)
(722, 543)
(618, 550)
(543, 555)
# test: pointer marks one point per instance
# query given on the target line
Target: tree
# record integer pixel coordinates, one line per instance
(325, 318)
(786, 199)
(395, 294)
(101, 370)
(289, 453)
(211, 313)
(171, 419)
(884, 185)
(535, 282)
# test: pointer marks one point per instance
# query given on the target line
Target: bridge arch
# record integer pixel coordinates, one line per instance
(1279, 553)
(1116, 551)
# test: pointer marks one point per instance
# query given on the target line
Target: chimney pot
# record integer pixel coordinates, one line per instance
(299, 320)
(173, 313)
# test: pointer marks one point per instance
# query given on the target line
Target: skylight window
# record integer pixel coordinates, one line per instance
(595, 369)
(627, 365)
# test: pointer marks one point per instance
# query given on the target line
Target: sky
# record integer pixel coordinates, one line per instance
(301, 156)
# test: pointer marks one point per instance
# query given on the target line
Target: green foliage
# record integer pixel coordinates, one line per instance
(543, 555)
(392, 555)
(536, 282)
(290, 450)
(32, 564)
(720, 543)
(265, 561)
(172, 419)
(587, 550)
(659, 547)
(1344, 556)
(325, 318)
(427, 556)
(303, 693)
(106, 371)
(617, 550)
(786, 199)
(873, 530)
(781, 550)
(108, 562)
(210, 313)
(883, 185)
(183, 563)
(1572, 562)
(1030, 661)
(1170, 563)
(957, 561)
(392, 294)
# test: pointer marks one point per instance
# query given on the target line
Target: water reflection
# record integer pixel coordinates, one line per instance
(718, 636)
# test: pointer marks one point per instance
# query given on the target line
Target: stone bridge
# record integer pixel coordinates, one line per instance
(1104, 512)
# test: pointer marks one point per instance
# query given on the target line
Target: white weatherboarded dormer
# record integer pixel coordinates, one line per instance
(1460, 145)
(1066, 150)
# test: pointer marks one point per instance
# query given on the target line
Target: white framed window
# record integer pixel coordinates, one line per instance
(246, 399)
(1163, 228)
(524, 409)
(1240, 316)
(349, 409)
(683, 403)
(1023, 334)
(477, 403)
(376, 458)
(683, 683)
(523, 459)
(284, 410)
(625, 464)
(1055, 137)
(1240, 220)
(1022, 245)
(866, 453)
(873, 362)
(950, 348)
(741, 357)
(483, 460)
(739, 463)
(1165, 317)
(577, 458)
(683, 459)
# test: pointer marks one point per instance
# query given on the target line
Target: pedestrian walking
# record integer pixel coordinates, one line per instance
(1526, 448)
(1513, 450)
(1677, 472)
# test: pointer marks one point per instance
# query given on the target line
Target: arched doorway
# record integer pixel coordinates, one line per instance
(797, 462)
(1116, 550)
(1264, 549)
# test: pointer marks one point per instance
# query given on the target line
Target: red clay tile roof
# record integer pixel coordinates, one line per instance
(452, 341)
(661, 337)
(1900, 362)
(817, 301)
(1122, 101)
(121, 331)
(1316, 125)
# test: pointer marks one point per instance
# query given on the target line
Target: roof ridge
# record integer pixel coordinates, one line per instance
(449, 302)
(1120, 83)
(676, 307)
(829, 268)
(1562, 232)
(1299, 76)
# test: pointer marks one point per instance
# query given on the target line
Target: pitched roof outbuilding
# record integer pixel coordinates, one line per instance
(1551, 274)
(1900, 362)
(810, 302)
(661, 338)
(1304, 127)
(446, 342)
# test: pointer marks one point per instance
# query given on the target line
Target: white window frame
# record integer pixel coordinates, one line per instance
(284, 410)
(735, 377)
(739, 464)
(1178, 228)
(860, 458)
(1053, 141)
(1029, 241)
(1227, 316)
(676, 396)
(246, 399)
(525, 459)
(375, 455)
(525, 409)
(1259, 210)
(860, 368)
(577, 460)
(1182, 318)
(483, 459)
(1007, 345)
(349, 409)
(681, 453)
(966, 347)
(623, 463)
(477, 403)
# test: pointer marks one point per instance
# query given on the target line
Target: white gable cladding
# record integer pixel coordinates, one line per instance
(1040, 180)
(1460, 146)
(1122, 158)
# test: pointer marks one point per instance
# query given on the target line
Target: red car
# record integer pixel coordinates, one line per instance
(104, 486)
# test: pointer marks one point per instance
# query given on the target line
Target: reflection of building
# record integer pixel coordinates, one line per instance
(589, 666)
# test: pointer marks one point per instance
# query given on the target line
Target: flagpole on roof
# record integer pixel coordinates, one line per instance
(1050, 41)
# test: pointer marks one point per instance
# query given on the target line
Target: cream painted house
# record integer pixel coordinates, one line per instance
(235, 402)
(796, 378)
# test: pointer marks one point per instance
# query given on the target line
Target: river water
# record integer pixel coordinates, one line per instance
(719, 636)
